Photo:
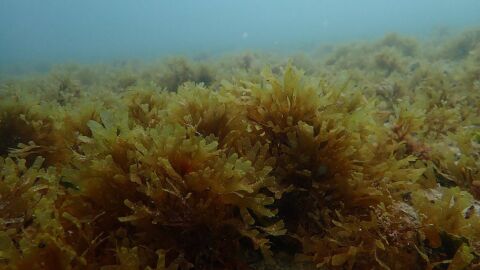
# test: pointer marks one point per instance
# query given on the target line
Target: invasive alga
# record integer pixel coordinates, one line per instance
(370, 161)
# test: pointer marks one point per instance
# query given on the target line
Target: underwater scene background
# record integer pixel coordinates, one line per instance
(240, 134)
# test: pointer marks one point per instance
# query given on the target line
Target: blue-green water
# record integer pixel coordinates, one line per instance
(34, 33)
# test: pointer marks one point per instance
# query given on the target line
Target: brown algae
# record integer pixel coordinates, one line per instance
(370, 159)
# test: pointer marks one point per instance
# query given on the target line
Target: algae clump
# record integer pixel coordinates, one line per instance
(368, 159)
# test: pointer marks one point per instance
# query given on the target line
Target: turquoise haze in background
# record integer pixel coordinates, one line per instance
(49, 31)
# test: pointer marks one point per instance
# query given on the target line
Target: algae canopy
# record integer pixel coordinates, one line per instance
(338, 154)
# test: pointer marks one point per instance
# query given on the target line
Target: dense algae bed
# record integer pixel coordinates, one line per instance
(364, 157)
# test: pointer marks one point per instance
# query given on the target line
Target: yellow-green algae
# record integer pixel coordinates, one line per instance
(367, 159)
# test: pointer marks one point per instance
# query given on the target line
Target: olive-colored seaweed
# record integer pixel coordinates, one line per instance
(370, 159)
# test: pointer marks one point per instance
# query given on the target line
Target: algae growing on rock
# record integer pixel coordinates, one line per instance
(356, 156)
